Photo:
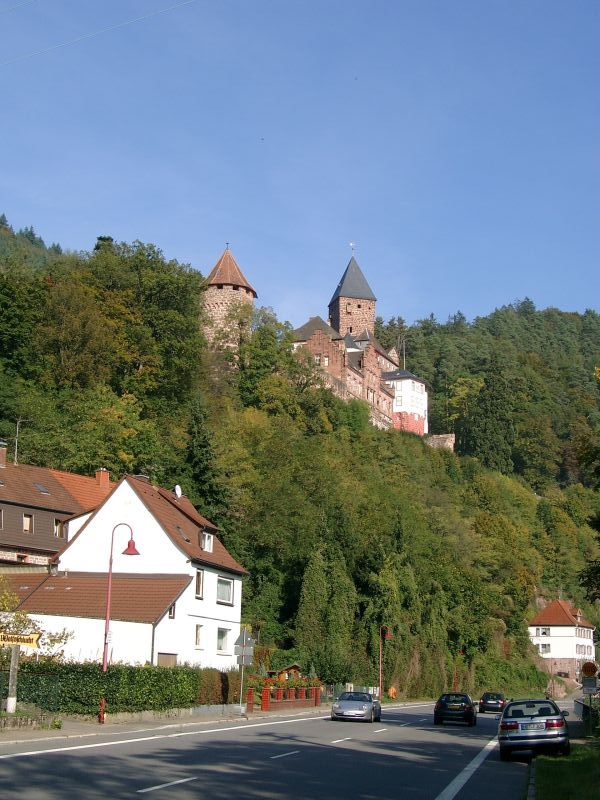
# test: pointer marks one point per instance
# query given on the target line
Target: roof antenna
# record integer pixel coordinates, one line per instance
(352, 246)
(226, 245)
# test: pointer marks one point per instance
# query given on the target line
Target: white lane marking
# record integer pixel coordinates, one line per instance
(336, 741)
(164, 785)
(380, 730)
(29, 753)
(456, 785)
(423, 719)
(403, 724)
(283, 755)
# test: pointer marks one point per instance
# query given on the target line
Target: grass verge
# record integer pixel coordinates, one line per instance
(576, 777)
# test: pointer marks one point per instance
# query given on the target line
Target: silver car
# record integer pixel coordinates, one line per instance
(356, 705)
(533, 725)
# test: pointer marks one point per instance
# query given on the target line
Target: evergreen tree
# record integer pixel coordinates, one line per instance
(487, 432)
(202, 480)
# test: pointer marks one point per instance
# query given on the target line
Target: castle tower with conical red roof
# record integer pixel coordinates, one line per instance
(226, 290)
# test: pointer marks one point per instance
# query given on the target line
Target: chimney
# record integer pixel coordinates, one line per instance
(103, 478)
(2, 453)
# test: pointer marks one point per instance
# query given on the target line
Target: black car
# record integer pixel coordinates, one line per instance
(455, 707)
(536, 724)
(492, 701)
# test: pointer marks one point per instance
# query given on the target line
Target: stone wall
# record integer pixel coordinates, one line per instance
(349, 315)
(219, 302)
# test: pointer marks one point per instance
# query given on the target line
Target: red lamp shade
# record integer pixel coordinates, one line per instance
(130, 550)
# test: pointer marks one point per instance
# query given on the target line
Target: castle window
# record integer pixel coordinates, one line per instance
(235, 288)
(350, 329)
(219, 286)
(359, 306)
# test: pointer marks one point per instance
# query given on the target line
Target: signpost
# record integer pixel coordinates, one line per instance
(244, 650)
(589, 681)
(16, 641)
(24, 639)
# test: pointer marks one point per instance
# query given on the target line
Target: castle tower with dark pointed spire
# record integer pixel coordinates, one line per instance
(226, 290)
(352, 307)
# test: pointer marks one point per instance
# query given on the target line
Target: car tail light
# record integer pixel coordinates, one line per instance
(437, 706)
(555, 723)
(468, 707)
(509, 726)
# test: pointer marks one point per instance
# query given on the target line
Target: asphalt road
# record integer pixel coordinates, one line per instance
(310, 756)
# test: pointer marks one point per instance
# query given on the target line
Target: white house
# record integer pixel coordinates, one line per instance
(563, 638)
(178, 601)
(409, 407)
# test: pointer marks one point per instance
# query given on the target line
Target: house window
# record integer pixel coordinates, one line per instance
(225, 591)
(544, 648)
(206, 541)
(198, 636)
(27, 523)
(58, 529)
(222, 634)
(199, 584)
(325, 361)
(318, 359)
(542, 631)
(172, 611)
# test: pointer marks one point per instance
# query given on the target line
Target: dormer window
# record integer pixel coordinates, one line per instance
(206, 541)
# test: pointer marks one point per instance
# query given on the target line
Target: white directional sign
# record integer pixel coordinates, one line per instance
(244, 661)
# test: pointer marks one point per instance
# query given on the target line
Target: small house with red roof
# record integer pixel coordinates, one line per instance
(35, 503)
(563, 638)
(175, 590)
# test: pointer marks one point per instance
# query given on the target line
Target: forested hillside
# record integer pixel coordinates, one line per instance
(343, 528)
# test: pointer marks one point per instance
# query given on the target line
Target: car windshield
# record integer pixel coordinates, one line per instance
(455, 698)
(358, 697)
(533, 708)
(492, 696)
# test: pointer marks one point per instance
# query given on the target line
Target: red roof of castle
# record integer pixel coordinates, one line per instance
(226, 271)
(134, 597)
(559, 612)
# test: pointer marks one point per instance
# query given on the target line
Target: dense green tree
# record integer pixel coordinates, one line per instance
(487, 430)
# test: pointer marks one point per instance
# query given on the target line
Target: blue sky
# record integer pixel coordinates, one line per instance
(456, 143)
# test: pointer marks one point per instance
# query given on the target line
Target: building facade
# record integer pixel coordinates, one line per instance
(177, 600)
(354, 363)
(563, 638)
(35, 503)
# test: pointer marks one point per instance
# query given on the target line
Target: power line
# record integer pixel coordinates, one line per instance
(95, 33)
(14, 8)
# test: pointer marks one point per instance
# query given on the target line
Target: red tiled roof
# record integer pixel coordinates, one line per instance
(226, 271)
(184, 525)
(559, 612)
(40, 487)
(135, 597)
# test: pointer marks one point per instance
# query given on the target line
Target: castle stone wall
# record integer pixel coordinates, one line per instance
(218, 304)
(349, 315)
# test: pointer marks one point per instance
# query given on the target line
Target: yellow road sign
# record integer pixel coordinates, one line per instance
(24, 639)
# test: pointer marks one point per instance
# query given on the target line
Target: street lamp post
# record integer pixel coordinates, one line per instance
(382, 636)
(130, 550)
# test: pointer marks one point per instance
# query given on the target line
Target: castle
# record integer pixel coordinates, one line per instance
(354, 364)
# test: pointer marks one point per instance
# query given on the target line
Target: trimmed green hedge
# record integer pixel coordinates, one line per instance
(77, 688)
